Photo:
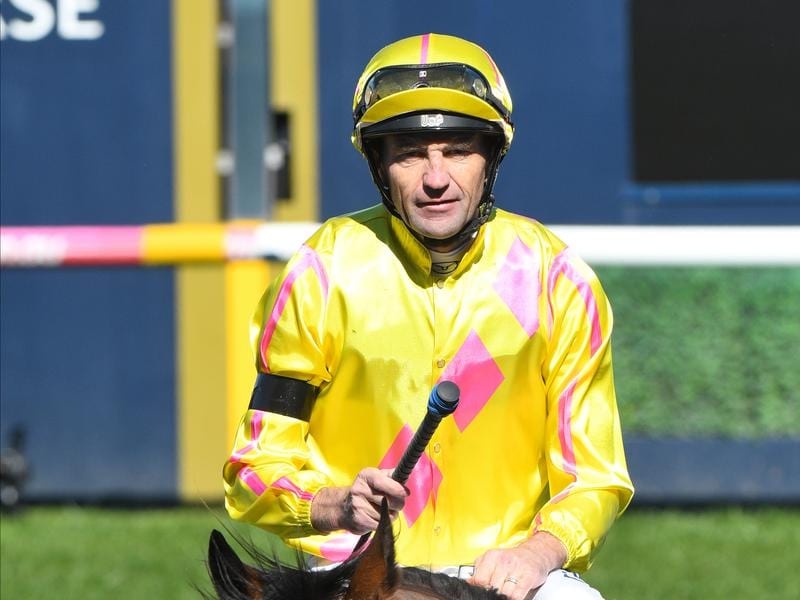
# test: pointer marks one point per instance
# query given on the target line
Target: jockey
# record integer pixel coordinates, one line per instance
(520, 486)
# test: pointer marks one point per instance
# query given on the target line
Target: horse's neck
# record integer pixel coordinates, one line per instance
(420, 584)
(415, 594)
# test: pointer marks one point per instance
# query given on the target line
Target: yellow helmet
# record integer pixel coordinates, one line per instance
(431, 82)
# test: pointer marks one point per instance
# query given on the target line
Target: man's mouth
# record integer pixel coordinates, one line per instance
(435, 203)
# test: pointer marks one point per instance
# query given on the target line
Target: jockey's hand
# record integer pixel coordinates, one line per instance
(518, 572)
(357, 508)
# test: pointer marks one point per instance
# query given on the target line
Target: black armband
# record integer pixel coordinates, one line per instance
(284, 396)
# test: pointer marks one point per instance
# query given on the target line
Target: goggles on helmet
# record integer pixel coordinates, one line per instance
(455, 76)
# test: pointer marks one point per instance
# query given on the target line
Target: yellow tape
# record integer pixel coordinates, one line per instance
(173, 243)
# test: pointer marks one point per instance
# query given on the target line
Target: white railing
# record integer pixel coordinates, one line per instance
(178, 243)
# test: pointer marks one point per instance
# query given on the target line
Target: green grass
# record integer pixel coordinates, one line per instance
(706, 351)
(720, 554)
(70, 552)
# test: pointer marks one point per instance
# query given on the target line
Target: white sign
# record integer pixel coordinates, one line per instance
(34, 20)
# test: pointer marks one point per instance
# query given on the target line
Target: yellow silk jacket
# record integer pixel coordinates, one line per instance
(522, 326)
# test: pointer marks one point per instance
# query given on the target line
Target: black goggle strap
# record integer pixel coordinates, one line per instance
(284, 396)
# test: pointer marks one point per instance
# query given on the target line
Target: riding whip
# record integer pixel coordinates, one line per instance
(442, 401)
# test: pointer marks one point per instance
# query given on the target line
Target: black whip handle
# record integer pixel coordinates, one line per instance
(442, 401)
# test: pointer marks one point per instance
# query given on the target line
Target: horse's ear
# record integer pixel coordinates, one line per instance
(230, 576)
(376, 572)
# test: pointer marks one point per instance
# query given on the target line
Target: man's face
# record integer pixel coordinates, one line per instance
(436, 182)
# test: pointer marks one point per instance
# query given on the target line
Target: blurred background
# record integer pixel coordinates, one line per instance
(146, 146)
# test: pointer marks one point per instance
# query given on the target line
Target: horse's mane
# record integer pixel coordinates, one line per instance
(371, 574)
(267, 577)
(445, 585)
(285, 581)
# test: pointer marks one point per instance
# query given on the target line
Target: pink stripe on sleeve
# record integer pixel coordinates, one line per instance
(562, 266)
(565, 431)
(288, 486)
(253, 481)
(307, 259)
(256, 426)
(249, 477)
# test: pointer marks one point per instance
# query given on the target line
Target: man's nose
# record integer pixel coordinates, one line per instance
(436, 175)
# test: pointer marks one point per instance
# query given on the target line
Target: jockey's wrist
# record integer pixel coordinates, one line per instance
(551, 552)
(327, 508)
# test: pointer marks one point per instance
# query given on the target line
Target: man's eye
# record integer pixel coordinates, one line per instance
(459, 152)
(408, 155)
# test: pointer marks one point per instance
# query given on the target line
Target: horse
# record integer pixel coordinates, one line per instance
(370, 575)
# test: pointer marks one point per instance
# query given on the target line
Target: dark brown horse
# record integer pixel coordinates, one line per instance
(373, 575)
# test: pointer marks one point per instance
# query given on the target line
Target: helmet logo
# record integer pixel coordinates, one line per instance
(422, 83)
(431, 120)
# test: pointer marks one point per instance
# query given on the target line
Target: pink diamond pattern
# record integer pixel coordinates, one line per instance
(476, 374)
(424, 480)
(518, 285)
(339, 547)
